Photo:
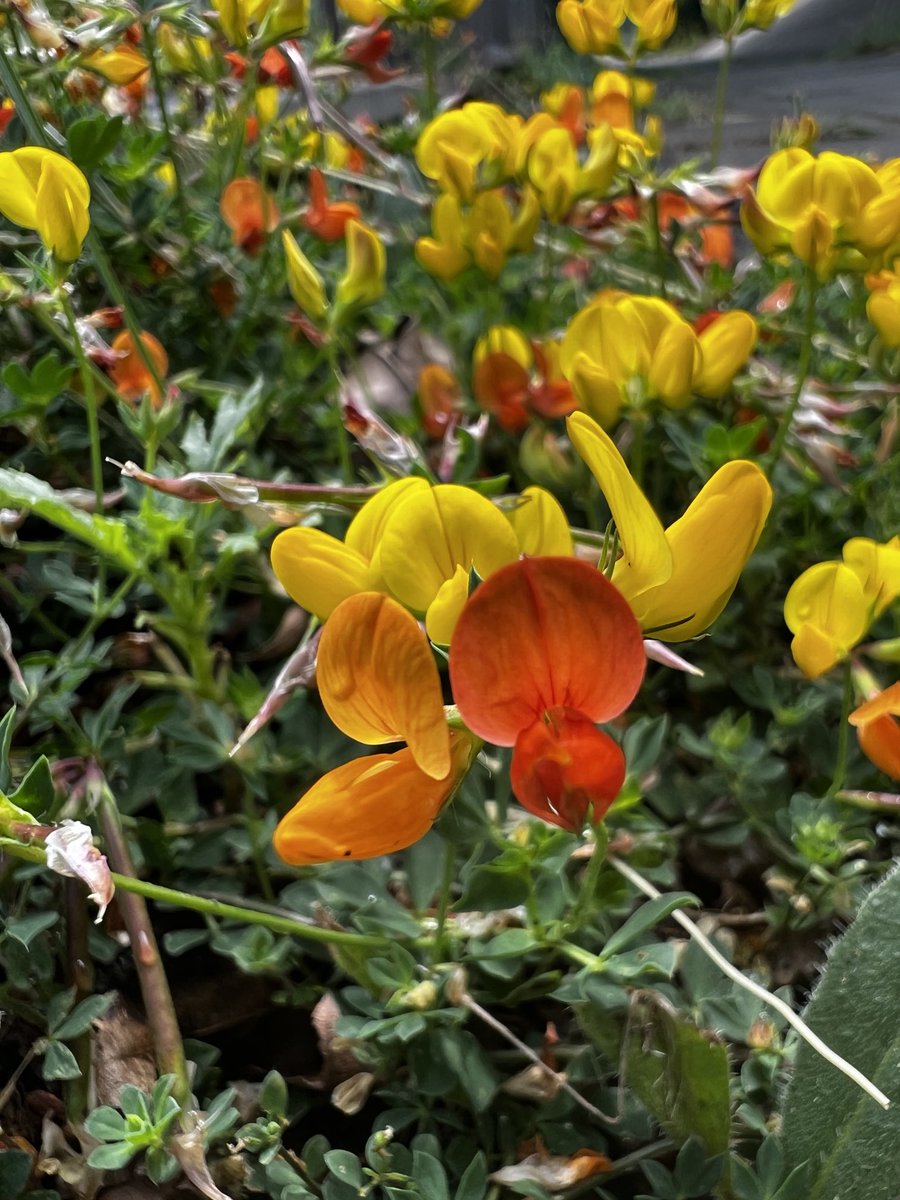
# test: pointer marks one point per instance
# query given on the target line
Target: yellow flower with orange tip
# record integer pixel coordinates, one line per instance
(833, 212)
(379, 684)
(626, 350)
(42, 190)
(878, 729)
(677, 580)
(121, 65)
(830, 608)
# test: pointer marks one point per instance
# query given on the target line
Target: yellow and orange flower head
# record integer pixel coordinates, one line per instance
(379, 684)
(327, 219)
(677, 580)
(42, 190)
(830, 608)
(455, 530)
(122, 65)
(878, 730)
(543, 651)
(833, 212)
(249, 212)
(623, 350)
(513, 378)
(130, 372)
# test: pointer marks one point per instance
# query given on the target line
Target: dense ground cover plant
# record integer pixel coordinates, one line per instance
(455, 439)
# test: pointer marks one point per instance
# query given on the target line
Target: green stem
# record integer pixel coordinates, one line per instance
(80, 975)
(803, 366)
(429, 68)
(345, 454)
(659, 248)
(215, 908)
(160, 90)
(585, 901)
(253, 826)
(840, 766)
(443, 906)
(721, 97)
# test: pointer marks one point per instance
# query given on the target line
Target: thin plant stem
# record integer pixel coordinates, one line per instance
(80, 975)
(429, 68)
(588, 889)
(290, 926)
(659, 248)
(749, 985)
(721, 98)
(840, 766)
(443, 905)
(158, 1003)
(160, 90)
(253, 825)
(806, 347)
(332, 351)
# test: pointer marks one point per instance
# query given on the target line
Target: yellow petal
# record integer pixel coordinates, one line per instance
(446, 608)
(450, 526)
(710, 546)
(378, 680)
(368, 526)
(363, 281)
(646, 558)
(541, 524)
(304, 280)
(725, 347)
(878, 569)
(317, 570)
(828, 610)
(369, 807)
(675, 359)
(62, 215)
(121, 65)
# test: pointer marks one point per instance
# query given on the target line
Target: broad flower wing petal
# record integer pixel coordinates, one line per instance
(317, 570)
(544, 633)
(710, 546)
(646, 556)
(379, 682)
(879, 730)
(541, 524)
(368, 807)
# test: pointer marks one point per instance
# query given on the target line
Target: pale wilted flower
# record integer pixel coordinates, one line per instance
(71, 852)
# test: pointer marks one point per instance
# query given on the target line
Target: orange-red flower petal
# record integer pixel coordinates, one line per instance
(379, 682)
(879, 730)
(544, 633)
(131, 374)
(565, 770)
(249, 212)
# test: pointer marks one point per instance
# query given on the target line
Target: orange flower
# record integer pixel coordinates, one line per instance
(249, 212)
(544, 649)
(439, 398)
(514, 378)
(878, 730)
(367, 51)
(131, 374)
(327, 221)
(379, 683)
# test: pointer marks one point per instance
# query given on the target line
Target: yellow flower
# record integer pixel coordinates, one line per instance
(121, 65)
(761, 14)
(559, 178)
(41, 190)
(655, 21)
(485, 234)
(677, 580)
(830, 607)
(833, 212)
(468, 148)
(379, 684)
(622, 349)
(365, 12)
(883, 307)
(454, 530)
(591, 26)
(363, 281)
(304, 280)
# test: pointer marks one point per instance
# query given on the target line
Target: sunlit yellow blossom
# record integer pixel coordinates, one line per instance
(677, 580)
(761, 14)
(591, 26)
(833, 212)
(379, 684)
(485, 234)
(559, 178)
(365, 12)
(883, 306)
(625, 350)
(830, 607)
(41, 190)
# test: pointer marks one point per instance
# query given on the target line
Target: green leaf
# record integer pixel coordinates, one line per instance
(473, 1184)
(843, 1133)
(6, 732)
(112, 1157)
(108, 535)
(36, 791)
(26, 929)
(15, 1170)
(345, 1166)
(679, 1072)
(60, 1062)
(430, 1176)
(92, 139)
(106, 1124)
(83, 1016)
(646, 917)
